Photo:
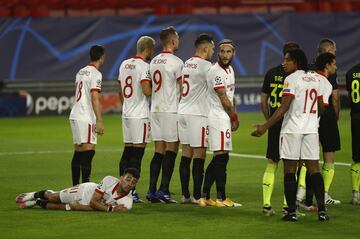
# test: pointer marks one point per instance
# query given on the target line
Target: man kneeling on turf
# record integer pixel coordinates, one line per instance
(111, 194)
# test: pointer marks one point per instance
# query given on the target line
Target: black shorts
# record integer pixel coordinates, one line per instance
(329, 132)
(355, 137)
(273, 142)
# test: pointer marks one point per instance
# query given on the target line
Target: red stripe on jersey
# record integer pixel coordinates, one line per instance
(219, 87)
(119, 81)
(138, 57)
(202, 137)
(287, 94)
(145, 80)
(115, 188)
(89, 133)
(166, 52)
(222, 141)
(326, 105)
(144, 135)
(120, 196)
(92, 65)
(320, 97)
(179, 78)
(196, 56)
(99, 191)
(95, 89)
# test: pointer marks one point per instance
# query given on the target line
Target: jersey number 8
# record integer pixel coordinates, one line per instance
(128, 85)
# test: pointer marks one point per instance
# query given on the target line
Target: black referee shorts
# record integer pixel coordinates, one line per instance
(355, 137)
(329, 132)
(273, 142)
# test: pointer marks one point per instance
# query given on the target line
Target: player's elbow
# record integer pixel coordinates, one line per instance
(146, 92)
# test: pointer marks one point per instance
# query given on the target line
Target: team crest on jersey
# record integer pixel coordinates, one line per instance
(218, 80)
(148, 74)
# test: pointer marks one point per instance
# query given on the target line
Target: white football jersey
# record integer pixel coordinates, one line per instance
(108, 189)
(195, 90)
(87, 79)
(219, 77)
(302, 116)
(131, 73)
(326, 88)
(165, 71)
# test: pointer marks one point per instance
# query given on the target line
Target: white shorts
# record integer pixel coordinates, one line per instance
(136, 131)
(193, 130)
(164, 126)
(81, 193)
(219, 134)
(299, 146)
(83, 132)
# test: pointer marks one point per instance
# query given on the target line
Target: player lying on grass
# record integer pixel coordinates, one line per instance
(110, 195)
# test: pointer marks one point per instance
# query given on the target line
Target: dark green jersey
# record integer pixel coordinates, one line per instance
(353, 87)
(273, 86)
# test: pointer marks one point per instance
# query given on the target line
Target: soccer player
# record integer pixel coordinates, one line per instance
(166, 74)
(110, 195)
(222, 119)
(135, 86)
(192, 117)
(270, 101)
(85, 117)
(328, 129)
(301, 103)
(325, 65)
(353, 88)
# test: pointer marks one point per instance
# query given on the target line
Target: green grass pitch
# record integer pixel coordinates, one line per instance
(35, 153)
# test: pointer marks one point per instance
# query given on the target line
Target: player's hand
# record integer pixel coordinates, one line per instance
(234, 125)
(119, 208)
(260, 130)
(99, 127)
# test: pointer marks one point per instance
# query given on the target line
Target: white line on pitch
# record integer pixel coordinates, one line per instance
(119, 150)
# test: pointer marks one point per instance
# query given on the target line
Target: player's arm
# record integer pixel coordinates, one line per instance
(264, 105)
(336, 102)
(228, 107)
(321, 106)
(78, 207)
(121, 97)
(95, 101)
(146, 87)
(234, 124)
(179, 82)
(279, 113)
(96, 204)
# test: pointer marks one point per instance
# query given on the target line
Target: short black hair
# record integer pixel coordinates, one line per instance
(299, 58)
(166, 33)
(132, 171)
(203, 38)
(96, 52)
(324, 44)
(323, 59)
(226, 41)
(290, 46)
